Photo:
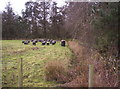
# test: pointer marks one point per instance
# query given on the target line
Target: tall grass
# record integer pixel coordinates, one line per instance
(56, 71)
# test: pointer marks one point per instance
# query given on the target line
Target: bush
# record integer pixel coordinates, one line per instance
(55, 71)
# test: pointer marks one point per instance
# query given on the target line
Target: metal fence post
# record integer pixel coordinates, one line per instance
(91, 74)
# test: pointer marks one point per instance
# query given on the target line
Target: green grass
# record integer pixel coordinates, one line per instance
(34, 59)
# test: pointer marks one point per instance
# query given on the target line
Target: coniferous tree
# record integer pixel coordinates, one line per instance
(8, 23)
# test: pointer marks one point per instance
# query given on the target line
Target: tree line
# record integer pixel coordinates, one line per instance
(93, 23)
(38, 20)
(96, 26)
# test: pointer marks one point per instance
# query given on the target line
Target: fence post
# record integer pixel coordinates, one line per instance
(5, 70)
(91, 74)
(20, 80)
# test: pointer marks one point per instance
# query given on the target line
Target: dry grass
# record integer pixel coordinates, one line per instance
(79, 74)
(56, 71)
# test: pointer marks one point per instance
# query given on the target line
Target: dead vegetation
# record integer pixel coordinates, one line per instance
(35, 48)
(24, 50)
(55, 71)
(20, 51)
(79, 73)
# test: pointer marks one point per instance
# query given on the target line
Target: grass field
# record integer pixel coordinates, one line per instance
(34, 60)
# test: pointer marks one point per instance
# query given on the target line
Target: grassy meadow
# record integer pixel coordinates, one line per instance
(34, 61)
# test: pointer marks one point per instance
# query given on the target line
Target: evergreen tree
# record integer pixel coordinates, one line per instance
(8, 23)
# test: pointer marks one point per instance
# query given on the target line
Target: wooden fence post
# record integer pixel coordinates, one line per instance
(5, 70)
(20, 80)
(91, 74)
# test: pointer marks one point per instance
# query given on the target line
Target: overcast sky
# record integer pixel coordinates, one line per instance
(18, 5)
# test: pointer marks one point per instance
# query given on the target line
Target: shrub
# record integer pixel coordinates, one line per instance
(55, 71)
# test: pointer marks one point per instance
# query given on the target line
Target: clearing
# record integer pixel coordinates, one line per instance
(34, 60)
